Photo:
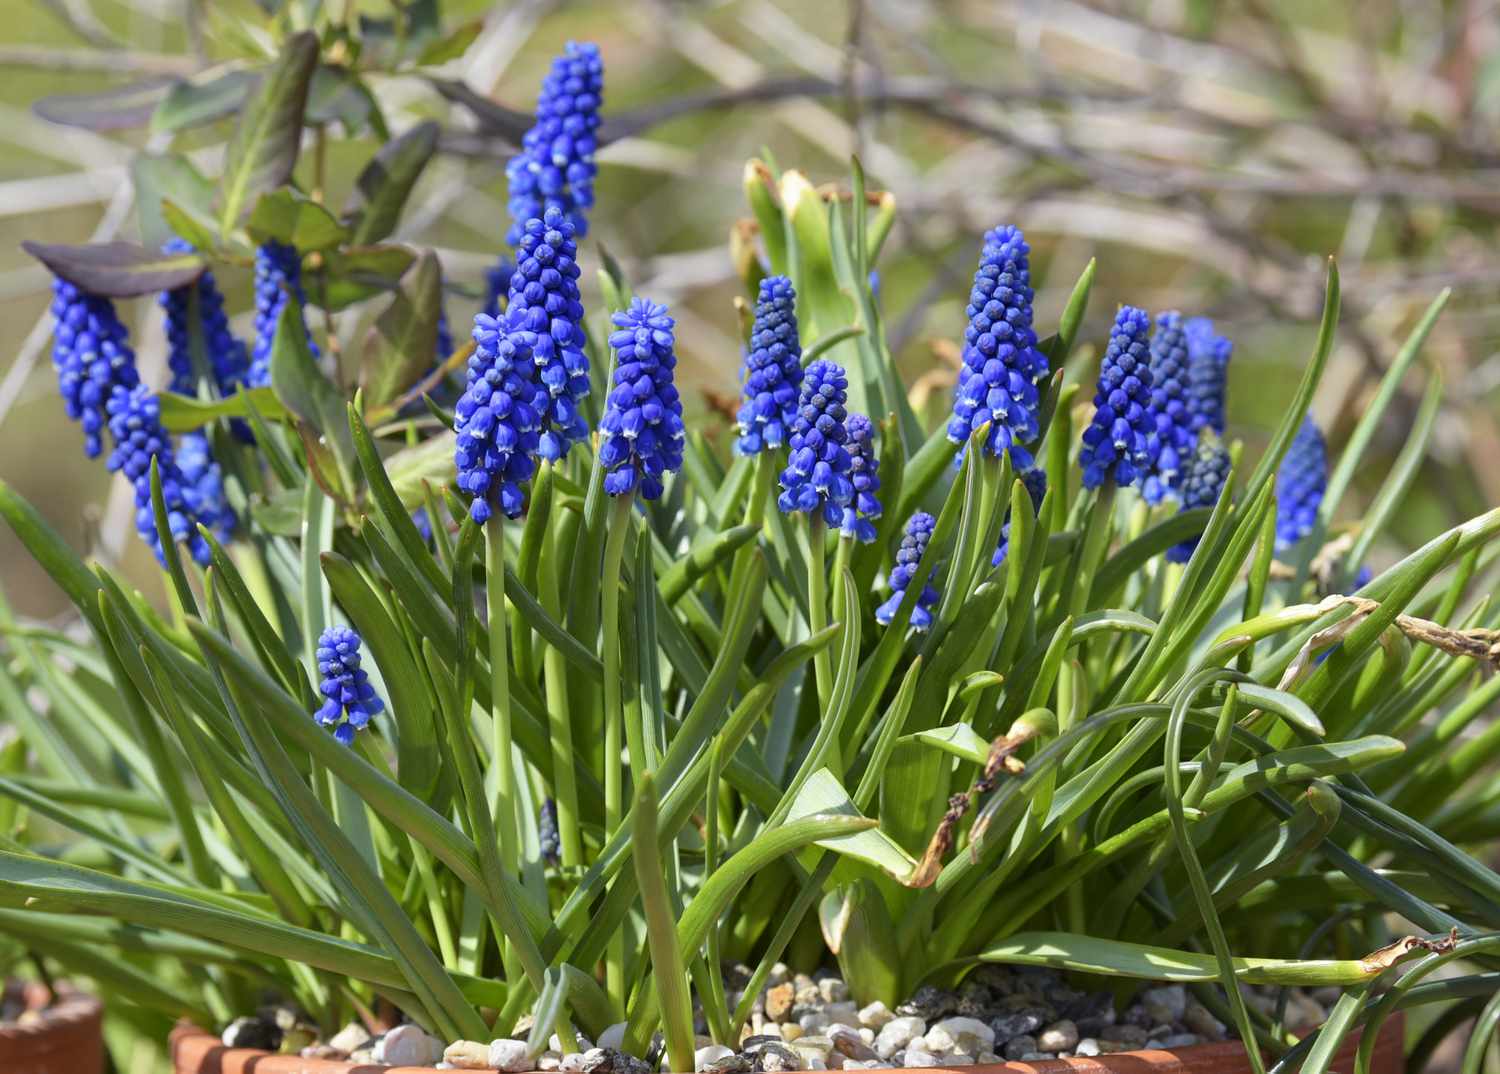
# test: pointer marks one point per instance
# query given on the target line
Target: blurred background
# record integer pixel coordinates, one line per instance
(1210, 154)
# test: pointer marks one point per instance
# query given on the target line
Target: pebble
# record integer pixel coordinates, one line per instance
(572, 1063)
(775, 1059)
(505, 1054)
(852, 1044)
(833, 990)
(1058, 1037)
(779, 1001)
(612, 1061)
(929, 1003)
(875, 1015)
(897, 1034)
(408, 1046)
(734, 1063)
(957, 1059)
(612, 1038)
(789, 1031)
(1201, 1020)
(1125, 1034)
(549, 1062)
(322, 1051)
(967, 1035)
(1179, 1040)
(704, 1057)
(1165, 1004)
(252, 1033)
(467, 1055)
(1017, 1024)
(1019, 1047)
(916, 1057)
(1087, 1046)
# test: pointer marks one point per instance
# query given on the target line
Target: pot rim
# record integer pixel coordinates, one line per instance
(66, 1012)
(192, 1046)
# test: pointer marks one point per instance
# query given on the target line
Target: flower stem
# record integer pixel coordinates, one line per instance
(500, 716)
(559, 721)
(817, 591)
(614, 719)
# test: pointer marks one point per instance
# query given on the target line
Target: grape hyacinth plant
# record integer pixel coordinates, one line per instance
(997, 382)
(645, 753)
(349, 701)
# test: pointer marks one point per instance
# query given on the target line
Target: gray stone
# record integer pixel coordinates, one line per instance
(1019, 1047)
(929, 1004)
(1179, 1040)
(572, 1063)
(613, 1061)
(916, 1057)
(1058, 1037)
(777, 1059)
(1092, 1012)
(851, 1044)
(833, 990)
(897, 1034)
(1020, 1023)
(252, 1032)
(408, 1046)
(1125, 1033)
(1201, 1021)
(1165, 1004)
(959, 1034)
(752, 1044)
(704, 1058)
(957, 1059)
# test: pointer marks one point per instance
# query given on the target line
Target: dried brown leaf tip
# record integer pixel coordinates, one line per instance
(1383, 959)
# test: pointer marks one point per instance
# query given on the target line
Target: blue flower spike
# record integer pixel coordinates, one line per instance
(497, 420)
(1035, 481)
(349, 699)
(228, 360)
(1208, 374)
(1300, 484)
(139, 437)
(555, 168)
(278, 273)
(641, 433)
(91, 351)
(497, 284)
(1174, 440)
(864, 474)
(546, 305)
(914, 542)
(816, 478)
(1202, 484)
(997, 382)
(772, 373)
(1116, 444)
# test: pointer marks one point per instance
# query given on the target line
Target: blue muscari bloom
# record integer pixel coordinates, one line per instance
(874, 281)
(555, 168)
(497, 284)
(817, 476)
(997, 382)
(864, 475)
(349, 699)
(1035, 481)
(1202, 484)
(278, 270)
(641, 433)
(444, 344)
(91, 350)
(1300, 484)
(136, 428)
(772, 373)
(1116, 443)
(1174, 440)
(1208, 373)
(913, 543)
(204, 488)
(546, 305)
(548, 839)
(497, 420)
(227, 358)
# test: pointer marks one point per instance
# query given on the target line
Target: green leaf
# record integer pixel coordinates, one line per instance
(117, 269)
(182, 413)
(669, 972)
(959, 739)
(384, 185)
(199, 100)
(294, 220)
(50, 549)
(430, 461)
(451, 47)
(170, 177)
(355, 273)
(263, 151)
(306, 392)
(859, 932)
(116, 108)
(402, 343)
(823, 794)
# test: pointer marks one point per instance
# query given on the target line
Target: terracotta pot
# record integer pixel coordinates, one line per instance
(197, 1052)
(67, 1039)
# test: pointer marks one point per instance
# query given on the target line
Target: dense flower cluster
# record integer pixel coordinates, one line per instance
(349, 699)
(228, 362)
(997, 382)
(864, 475)
(1116, 444)
(1035, 481)
(204, 489)
(278, 273)
(772, 373)
(1300, 484)
(1208, 372)
(1202, 483)
(443, 345)
(545, 303)
(816, 478)
(136, 428)
(496, 421)
(641, 431)
(1172, 444)
(555, 168)
(497, 285)
(91, 350)
(913, 544)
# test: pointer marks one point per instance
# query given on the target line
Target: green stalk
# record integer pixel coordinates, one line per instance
(817, 590)
(559, 722)
(661, 931)
(614, 717)
(500, 714)
(1095, 542)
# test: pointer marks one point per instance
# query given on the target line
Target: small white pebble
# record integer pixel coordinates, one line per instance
(509, 1055)
(712, 1053)
(612, 1037)
(1087, 1046)
(875, 1015)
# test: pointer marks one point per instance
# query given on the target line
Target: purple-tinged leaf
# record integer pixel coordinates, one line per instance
(117, 269)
